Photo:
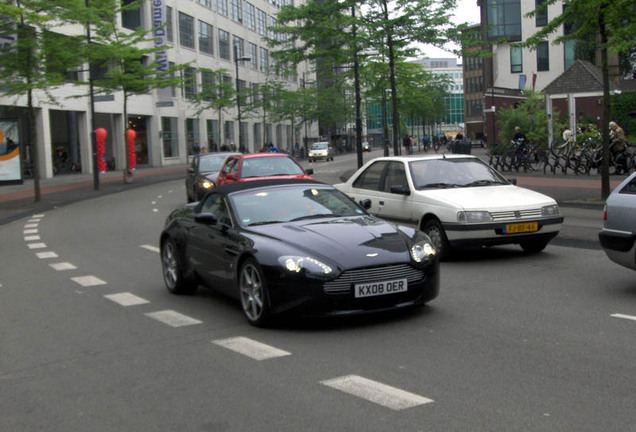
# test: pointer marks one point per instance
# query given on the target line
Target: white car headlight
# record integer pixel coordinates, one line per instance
(296, 263)
(206, 184)
(473, 216)
(551, 210)
(311, 153)
(422, 251)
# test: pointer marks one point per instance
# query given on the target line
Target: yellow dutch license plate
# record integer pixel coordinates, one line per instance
(521, 227)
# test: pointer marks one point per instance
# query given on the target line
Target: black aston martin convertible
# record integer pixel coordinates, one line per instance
(296, 246)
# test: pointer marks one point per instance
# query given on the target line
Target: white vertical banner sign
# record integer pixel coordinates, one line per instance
(159, 19)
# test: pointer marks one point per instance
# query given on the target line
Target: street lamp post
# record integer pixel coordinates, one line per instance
(238, 92)
(92, 104)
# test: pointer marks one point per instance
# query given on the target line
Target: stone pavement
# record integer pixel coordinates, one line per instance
(16, 200)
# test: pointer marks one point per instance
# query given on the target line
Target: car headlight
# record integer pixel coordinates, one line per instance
(473, 216)
(311, 153)
(422, 251)
(551, 210)
(206, 184)
(295, 264)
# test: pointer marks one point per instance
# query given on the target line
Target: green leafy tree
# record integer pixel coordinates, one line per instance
(530, 115)
(35, 60)
(612, 24)
(217, 94)
(129, 57)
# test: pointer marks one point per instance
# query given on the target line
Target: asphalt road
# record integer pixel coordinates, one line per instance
(91, 340)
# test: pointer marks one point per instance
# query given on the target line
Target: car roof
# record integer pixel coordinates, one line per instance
(424, 157)
(260, 155)
(230, 188)
(217, 154)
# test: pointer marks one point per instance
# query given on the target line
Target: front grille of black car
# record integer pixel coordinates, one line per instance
(345, 281)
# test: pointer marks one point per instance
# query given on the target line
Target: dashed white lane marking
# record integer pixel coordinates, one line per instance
(38, 216)
(63, 266)
(376, 392)
(172, 318)
(46, 255)
(36, 220)
(31, 225)
(88, 281)
(32, 238)
(126, 299)
(251, 348)
(36, 245)
(628, 317)
(30, 231)
(153, 202)
(150, 248)
(155, 210)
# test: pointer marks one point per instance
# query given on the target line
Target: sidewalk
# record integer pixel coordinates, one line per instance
(16, 201)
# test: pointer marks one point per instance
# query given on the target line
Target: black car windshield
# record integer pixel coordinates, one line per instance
(269, 166)
(211, 163)
(294, 202)
(452, 173)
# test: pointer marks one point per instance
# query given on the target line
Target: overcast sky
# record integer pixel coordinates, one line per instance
(467, 11)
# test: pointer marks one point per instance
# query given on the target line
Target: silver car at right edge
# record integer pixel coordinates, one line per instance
(618, 235)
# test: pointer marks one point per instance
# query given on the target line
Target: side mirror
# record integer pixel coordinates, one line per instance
(205, 219)
(365, 203)
(231, 177)
(513, 181)
(190, 170)
(400, 190)
(309, 171)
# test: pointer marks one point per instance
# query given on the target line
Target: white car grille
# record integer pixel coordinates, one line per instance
(516, 214)
(344, 283)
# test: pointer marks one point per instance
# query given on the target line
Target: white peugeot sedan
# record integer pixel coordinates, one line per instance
(458, 200)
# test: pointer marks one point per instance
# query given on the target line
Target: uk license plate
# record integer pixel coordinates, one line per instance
(380, 288)
(521, 227)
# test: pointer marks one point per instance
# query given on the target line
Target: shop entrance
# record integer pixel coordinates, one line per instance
(65, 142)
(139, 125)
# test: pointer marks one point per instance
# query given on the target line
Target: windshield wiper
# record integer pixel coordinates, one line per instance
(313, 216)
(439, 185)
(484, 183)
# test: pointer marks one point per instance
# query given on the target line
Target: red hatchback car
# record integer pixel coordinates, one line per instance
(257, 166)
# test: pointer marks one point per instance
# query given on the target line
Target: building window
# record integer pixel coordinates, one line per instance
(236, 11)
(224, 44)
(131, 19)
(170, 137)
(207, 84)
(541, 18)
(192, 134)
(239, 44)
(212, 127)
(169, 33)
(543, 56)
(221, 7)
(261, 20)
(253, 53)
(206, 41)
(229, 132)
(206, 3)
(186, 30)
(504, 19)
(250, 16)
(516, 59)
(189, 83)
(263, 60)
